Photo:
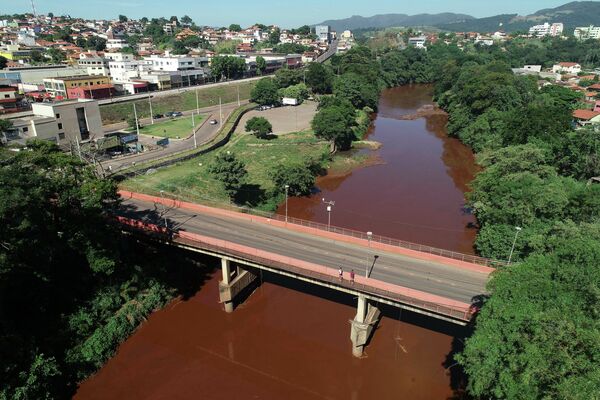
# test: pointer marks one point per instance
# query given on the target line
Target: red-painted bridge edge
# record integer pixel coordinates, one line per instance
(416, 298)
(174, 203)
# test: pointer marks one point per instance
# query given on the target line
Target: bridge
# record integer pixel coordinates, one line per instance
(438, 283)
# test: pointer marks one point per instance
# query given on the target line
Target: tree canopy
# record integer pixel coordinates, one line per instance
(265, 92)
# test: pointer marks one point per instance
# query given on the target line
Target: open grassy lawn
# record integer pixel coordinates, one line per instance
(179, 128)
(191, 180)
(207, 96)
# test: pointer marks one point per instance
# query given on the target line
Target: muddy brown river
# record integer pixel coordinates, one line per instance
(287, 341)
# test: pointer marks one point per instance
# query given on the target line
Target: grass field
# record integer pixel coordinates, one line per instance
(207, 96)
(173, 129)
(191, 180)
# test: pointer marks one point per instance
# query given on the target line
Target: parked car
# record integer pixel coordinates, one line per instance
(158, 116)
(213, 122)
(174, 114)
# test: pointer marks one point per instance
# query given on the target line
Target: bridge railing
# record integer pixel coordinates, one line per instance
(469, 258)
(287, 264)
(379, 239)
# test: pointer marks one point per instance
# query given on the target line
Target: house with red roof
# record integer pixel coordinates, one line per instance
(567, 68)
(586, 117)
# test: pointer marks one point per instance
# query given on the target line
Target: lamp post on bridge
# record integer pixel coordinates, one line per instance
(330, 205)
(162, 192)
(287, 188)
(512, 249)
(369, 237)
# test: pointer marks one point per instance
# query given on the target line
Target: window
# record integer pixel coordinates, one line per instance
(59, 125)
(25, 129)
(57, 116)
(61, 135)
(6, 96)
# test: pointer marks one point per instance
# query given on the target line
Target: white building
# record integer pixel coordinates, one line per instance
(95, 63)
(63, 122)
(566, 68)
(25, 38)
(418, 42)
(323, 32)
(484, 40)
(555, 29)
(115, 44)
(587, 32)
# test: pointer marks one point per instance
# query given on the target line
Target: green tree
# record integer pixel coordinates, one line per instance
(5, 126)
(228, 170)
(285, 77)
(298, 92)
(265, 92)
(37, 56)
(356, 89)
(299, 177)
(319, 78)
(3, 62)
(228, 67)
(537, 336)
(123, 18)
(186, 20)
(235, 27)
(55, 55)
(335, 125)
(274, 36)
(261, 65)
(259, 127)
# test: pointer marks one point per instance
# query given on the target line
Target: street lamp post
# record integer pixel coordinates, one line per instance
(514, 243)
(194, 130)
(369, 237)
(150, 103)
(162, 192)
(287, 188)
(330, 205)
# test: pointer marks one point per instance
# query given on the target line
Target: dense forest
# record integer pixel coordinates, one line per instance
(538, 335)
(71, 289)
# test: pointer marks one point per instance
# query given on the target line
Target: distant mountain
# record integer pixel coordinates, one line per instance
(389, 20)
(577, 13)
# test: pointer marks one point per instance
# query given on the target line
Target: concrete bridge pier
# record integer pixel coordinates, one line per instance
(362, 326)
(235, 280)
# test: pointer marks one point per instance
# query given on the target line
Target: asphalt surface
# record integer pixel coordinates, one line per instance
(427, 276)
(204, 134)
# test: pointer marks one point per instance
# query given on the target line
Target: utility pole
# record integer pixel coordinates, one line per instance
(194, 130)
(369, 237)
(137, 125)
(33, 9)
(151, 113)
(287, 188)
(238, 93)
(220, 111)
(197, 103)
(330, 205)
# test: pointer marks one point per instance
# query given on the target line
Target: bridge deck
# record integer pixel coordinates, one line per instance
(441, 278)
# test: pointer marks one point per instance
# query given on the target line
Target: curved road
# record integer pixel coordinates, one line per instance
(427, 276)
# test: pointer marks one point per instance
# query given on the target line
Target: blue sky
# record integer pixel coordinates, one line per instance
(286, 13)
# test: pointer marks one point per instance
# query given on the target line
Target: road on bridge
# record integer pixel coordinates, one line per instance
(429, 276)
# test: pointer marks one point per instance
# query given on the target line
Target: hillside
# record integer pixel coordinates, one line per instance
(577, 13)
(389, 20)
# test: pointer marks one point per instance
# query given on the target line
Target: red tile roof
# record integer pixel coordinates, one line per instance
(585, 114)
(567, 64)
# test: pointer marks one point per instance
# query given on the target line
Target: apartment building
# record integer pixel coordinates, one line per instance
(587, 32)
(61, 122)
(59, 87)
(555, 29)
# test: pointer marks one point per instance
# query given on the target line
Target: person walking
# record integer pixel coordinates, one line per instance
(341, 274)
(352, 277)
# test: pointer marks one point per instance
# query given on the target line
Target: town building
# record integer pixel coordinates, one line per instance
(95, 63)
(116, 44)
(323, 32)
(555, 29)
(587, 32)
(586, 117)
(62, 122)
(10, 99)
(58, 87)
(418, 42)
(566, 68)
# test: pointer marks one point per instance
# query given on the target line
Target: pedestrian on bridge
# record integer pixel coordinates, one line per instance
(341, 274)
(352, 277)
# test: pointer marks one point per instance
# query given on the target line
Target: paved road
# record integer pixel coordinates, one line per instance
(206, 133)
(427, 276)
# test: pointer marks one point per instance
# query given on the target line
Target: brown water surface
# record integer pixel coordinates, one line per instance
(417, 194)
(289, 341)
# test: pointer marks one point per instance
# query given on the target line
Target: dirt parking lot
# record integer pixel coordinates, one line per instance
(284, 119)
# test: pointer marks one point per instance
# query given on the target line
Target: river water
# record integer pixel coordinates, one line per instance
(289, 342)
